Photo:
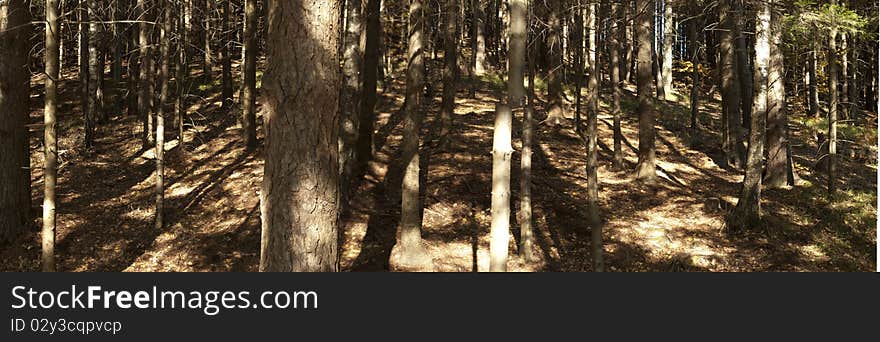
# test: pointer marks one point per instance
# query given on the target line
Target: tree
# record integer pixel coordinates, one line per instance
(299, 197)
(501, 153)
(183, 24)
(778, 171)
(144, 93)
(372, 42)
(669, 34)
(249, 76)
(164, 48)
(15, 178)
(617, 35)
(516, 52)
(733, 146)
(646, 168)
(592, 134)
(450, 68)
(409, 250)
(556, 106)
(526, 237)
(747, 212)
(50, 108)
(350, 98)
(226, 56)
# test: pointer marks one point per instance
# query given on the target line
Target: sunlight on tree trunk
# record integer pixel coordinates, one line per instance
(50, 142)
(501, 155)
(646, 168)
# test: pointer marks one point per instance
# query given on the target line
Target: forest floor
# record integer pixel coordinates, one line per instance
(105, 196)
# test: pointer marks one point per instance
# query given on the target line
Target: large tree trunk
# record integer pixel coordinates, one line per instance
(299, 198)
(50, 142)
(747, 87)
(350, 100)
(15, 176)
(450, 68)
(408, 253)
(501, 153)
(733, 146)
(778, 169)
(646, 168)
(592, 133)
(372, 42)
(747, 212)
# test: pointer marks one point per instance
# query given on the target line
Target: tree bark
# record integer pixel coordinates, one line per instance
(617, 35)
(592, 132)
(450, 68)
(15, 176)
(517, 52)
(372, 41)
(299, 198)
(668, 41)
(50, 108)
(733, 146)
(164, 28)
(350, 101)
(747, 212)
(226, 56)
(646, 168)
(144, 93)
(501, 153)
(778, 168)
(833, 69)
(556, 106)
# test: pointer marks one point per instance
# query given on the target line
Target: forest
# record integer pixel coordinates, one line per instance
(438, 135)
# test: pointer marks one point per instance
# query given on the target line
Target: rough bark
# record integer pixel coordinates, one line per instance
(299, 198)
(733, 146)
(555, 71)
(747, 212)
(778, 168)
(516, 53)
(450, 68)
(833, 102)
(646, 168)
(372, 41)
(617, 35)
(144, 93)
(15, 177)
(226, 56)
(411, 255)
(350, 98)
(164, 48)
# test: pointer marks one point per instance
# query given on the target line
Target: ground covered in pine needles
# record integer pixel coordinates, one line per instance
(105, 196)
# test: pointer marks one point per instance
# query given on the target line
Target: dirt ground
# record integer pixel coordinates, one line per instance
(105, 198)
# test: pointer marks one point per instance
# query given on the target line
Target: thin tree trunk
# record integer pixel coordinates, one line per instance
(501, 153)
(517, 52)
(833, 69)
(299, 198)
(450, 69)
(580, 51)
(207, 61)
(592, 133)
(411, 255)
(372, 42)
(733, 146)
(556, 106)
(15, 177)
(144, 93)
(669, 34)
(747, 212)
(350, 100)
(747, 87)
(646, 168)
(50, 142)
(526, 236)
(617, 35)
(164, 28)
(696, 50)
(226, 56)
(182, 70)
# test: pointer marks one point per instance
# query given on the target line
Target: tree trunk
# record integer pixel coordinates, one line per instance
(592, 133)
(646, 168)
(668, 41)
(517, 52)
(778, 169)
(526, 236)
(747, 88)
(411, 254)
(15, 176)
(164, 28)
(350, 101)
(833, 69)
(556, 107)
(226, 56)
(299, 198)
(813, 74)
(697, 81)
(450, 70)
(50, 142)
(501, 153)
(617, 35)
(580, 50)
(182, 70)
(207, 61)
(479, 52)
(747, 212)
(144, 93)
(373, 37)
(733, 146)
